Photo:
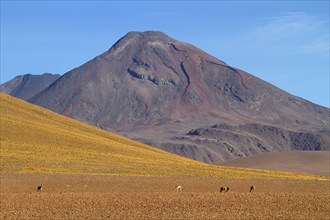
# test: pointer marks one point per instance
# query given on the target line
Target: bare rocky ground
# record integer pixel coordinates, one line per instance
(108, 197)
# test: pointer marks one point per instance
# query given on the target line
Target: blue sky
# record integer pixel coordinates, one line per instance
(283, 42)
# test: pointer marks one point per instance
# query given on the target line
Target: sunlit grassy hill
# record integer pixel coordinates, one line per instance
(34, 139)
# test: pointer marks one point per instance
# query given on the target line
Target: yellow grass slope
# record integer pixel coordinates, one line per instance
(34, 139)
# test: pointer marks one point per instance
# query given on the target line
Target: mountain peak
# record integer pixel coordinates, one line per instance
(149, 35)
(27, 85)
(170, 93)
(140, 37)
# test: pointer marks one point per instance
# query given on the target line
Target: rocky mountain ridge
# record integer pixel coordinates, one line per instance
(28, 85)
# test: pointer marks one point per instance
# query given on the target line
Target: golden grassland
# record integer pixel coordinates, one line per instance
(36, 140)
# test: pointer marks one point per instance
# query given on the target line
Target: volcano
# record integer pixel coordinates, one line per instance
(176, 97)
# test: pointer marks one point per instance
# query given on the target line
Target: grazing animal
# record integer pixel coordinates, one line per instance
(227, 189)
(39, 188)
(252, 188)
(222, 189)
(178, 189)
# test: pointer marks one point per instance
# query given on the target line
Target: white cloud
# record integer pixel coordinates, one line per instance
(290, 32)
(316, 45)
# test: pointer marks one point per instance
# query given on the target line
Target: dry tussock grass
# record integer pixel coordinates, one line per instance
(37, 140)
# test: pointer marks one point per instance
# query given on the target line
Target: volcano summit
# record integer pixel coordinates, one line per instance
(174, 96)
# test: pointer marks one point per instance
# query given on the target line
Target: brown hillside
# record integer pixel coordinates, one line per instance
(309, 162)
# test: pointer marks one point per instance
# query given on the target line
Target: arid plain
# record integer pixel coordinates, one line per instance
(118, 197)
(88, 173)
